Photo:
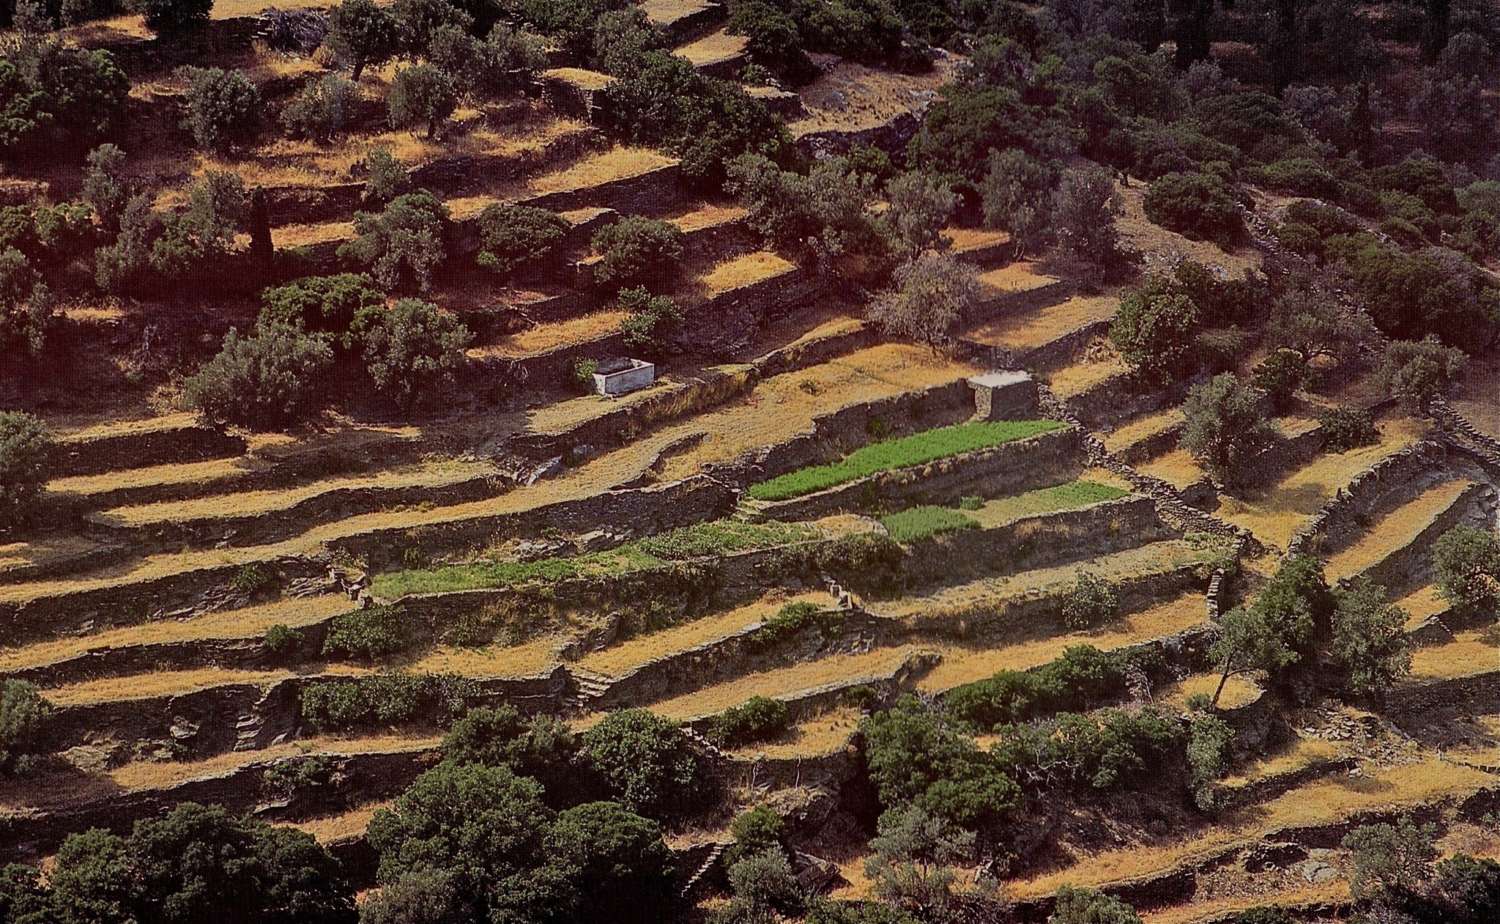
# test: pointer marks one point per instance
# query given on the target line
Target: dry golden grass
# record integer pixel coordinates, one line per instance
(1304, 753)
(961, 665)
(563, 415)
(617, 163)
(172, 683)
(743, 270)
(1319, 802)
(1239, 691)
(633, 652)
(1475, 396)
(128, 427)
(819, 735)
(850, 97)
(707, 215)
(715, 48)
(1396, 530)
(1217, 908)
(1275, 514)
(331, 828)
(1016, 331)
(1143, 428)
(153, 475)
(1421, 603)
(545, 337)
(250, 622)
(579, 77)
(1021, 276)
(231, 9)
(962, 240)
(1177, 468)
(150, 774)
(250, 503)
(843, 669)
(1078, 377)
(1472, 652)
(998, 591)
(663, 13)
(524, 660)
(46, 551)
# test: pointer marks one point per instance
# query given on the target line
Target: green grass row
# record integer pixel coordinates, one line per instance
(920, 522)
(700, 540)
(917, 449)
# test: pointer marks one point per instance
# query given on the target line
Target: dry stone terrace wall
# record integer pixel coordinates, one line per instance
(1036, 462)
(1411, 563)
(93, 455)
(88, 610)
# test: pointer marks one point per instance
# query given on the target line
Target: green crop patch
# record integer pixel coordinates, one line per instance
(921, 522)
(917, 449)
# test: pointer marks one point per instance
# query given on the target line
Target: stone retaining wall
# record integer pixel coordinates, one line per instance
(1036, 462)
(1411, 564)
(96, 455)
(1342, 517)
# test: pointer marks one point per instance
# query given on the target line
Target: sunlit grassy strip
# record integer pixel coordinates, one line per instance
(917, 449)
(699, 540)
(1071, 496)
(921, 522)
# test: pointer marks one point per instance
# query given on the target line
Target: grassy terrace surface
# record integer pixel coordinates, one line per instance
(920, 522)
(703, 539)
(917, 449)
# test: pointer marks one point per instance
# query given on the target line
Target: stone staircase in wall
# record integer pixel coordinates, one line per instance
(587, 688)
(710, 862)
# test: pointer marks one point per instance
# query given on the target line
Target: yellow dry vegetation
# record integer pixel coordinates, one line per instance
(148, 774)
(173, 683)
(663, 13)
(1320, 802)
(848, 96)
(715, 48)
(1177, 468)
(743, 270)
(1305, 752)
(527, 659)
(1020, 276)
(564, 415)
(707, 215)
(1396, 530)
(1032, 329)
(625, 656)
(329, 829)
(822, 734)
(249, 622)
(46, 551)
(1475, 397)
(850, 669)
(963, 240)
(249, 503)
(1076, 378)
(996, 592)
(618, 163)
(967, 664)
(1474, 651)
(1139, 233)
(1217, 909)
(1143, 428)
(1239, 690)
(551, 336)
(580, 77)
(128, 427)
(1275, 514)
(1421, 603)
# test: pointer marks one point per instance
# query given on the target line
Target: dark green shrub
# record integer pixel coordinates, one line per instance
(404, 243)
(172, 16)
(1199, 205)
(326, 304)
(1087, 906)
(385, 177)
(755, 831)
(637, 251)
(1089, 603)
(1084, 209)
(622, 39)
(1225, 426)
(646, 763)
(773, 39)
(541, 747)
(321, 109)
(757, 719)
(1417, 372)
(281, 640)
(370, 634)
(1345, 428)
(617, 866)
(223, 108)
(1279, 375)
(512, 236)
(1155, 331)
(385, 699)
(583, 375)
(270, 379)
(59, 98)
(1017, 196)
(417, 21)
(791, 620)
(1209, 739)
(23, 713)
(1467, 562)
(652, 323)
(410, 349)
(25, 447)
(1220, 349)
(360, 33)
(1300, 176)
(105, 187)
(421, 96)
(1082, 678)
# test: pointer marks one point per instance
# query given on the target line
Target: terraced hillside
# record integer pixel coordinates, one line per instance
(977, 538)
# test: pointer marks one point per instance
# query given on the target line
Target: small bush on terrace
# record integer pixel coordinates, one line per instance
(920, 522)
(24, 448)
(1467, 561)
(512, 236)
(321, 109)
(1418, 371)
(325, 304)
(791, 620)
(370, 634)
(653, 320)
(385, 699)
(757, 719)
(1089, 603)
(723, 537)
(421, 96)
(172, 16)
(1225, 425)
(541, 747)
(1200, 205)
(1082, 678)
(360, 33)
(223, 108)
(404, 243)
(647, 763)
(931, 295)
(917, 449)
(270, 379)
(637, 251)
(1345, 428)
(410, 350)
(22, 714)
(1087, 906)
